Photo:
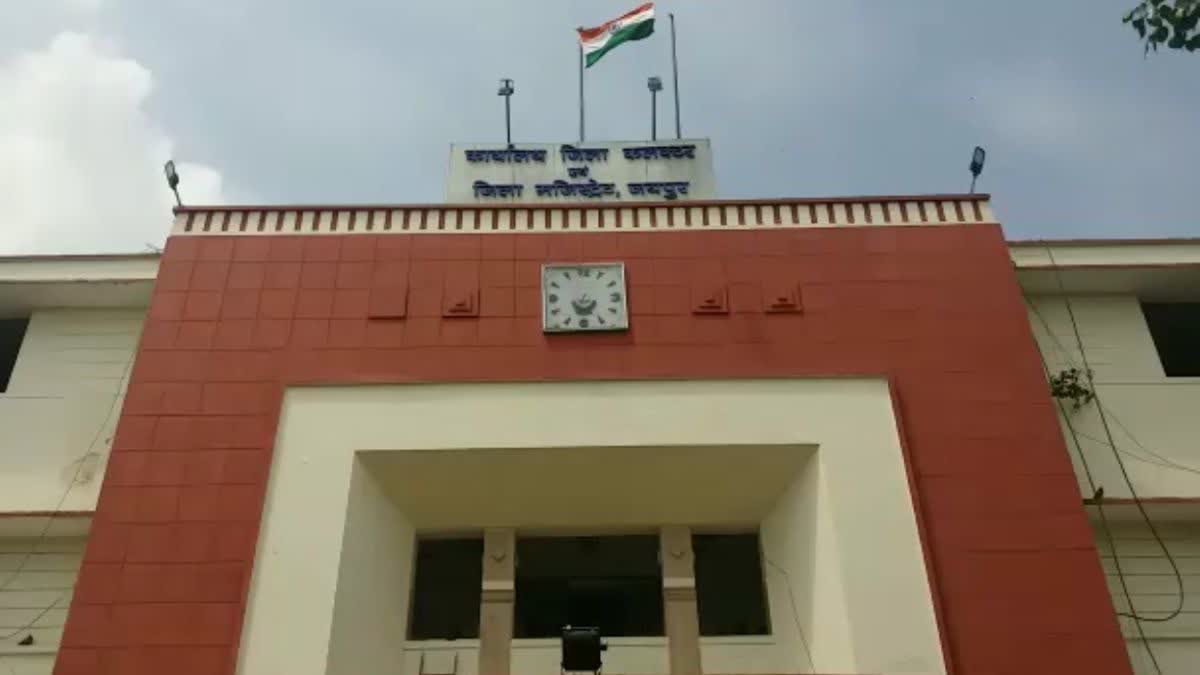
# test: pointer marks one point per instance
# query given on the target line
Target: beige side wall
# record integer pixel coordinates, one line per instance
(377, 550)
(461, 655)
(37, 578)
(299, 571)
(1153, 418)
(1118, 255)
(78, 269)
(1154, 423)
(60, 410)
(1154, 590)
(799, 542)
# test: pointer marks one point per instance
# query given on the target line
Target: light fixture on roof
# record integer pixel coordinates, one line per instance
(506, 90)
(172, 179)
(977, 159)
(654, 84)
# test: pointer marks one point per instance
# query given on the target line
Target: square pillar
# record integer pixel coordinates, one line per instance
(680, 611)
(497, 601)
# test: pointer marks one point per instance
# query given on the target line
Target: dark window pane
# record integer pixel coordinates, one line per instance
(729, 585)
(1175, 327)
(613, 583)
(12, 332)
(446, 590)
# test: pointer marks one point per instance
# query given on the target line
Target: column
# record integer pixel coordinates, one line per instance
(679, 600)
(497, 600)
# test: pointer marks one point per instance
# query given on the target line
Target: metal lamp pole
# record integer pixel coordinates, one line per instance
(506, 90)
(655, 86)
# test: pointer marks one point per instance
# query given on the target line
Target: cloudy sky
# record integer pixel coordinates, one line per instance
(357, 101)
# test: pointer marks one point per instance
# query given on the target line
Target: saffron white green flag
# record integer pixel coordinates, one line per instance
(635, 25)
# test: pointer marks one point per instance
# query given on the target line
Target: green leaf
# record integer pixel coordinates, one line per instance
(1140, 26)
(1138, 12)
(1194, 43)
(1159, 35)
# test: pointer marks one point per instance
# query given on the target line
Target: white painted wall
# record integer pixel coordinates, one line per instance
(459, 656)
(57, 419)
(65, 269)
(1154, 591)
(1117, 255)
(1153, 418)
(61, 407)
(37, 578)
(370, 617)
(1154, 425)
(799, 545)
(875, 620)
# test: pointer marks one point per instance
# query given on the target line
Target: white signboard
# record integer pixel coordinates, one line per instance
(562, 172)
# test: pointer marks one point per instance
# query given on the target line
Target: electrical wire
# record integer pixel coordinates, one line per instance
(62, 500)
(1155, 459)
(787, 579)
(1138, 619)
(1104, 414)
(1146, 450)
(1087, 469)
(112, 406)
(1167, 462)
(1112, 545)
(1092, 486)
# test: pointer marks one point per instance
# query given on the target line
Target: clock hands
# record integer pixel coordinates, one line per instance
(584, 304)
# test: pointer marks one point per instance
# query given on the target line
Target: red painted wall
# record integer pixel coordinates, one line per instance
(234, 320)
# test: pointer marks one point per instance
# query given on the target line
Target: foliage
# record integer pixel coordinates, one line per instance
(1069, 385)
(1170, 23)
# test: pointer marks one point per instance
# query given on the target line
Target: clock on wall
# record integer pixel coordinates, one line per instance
(584, 297)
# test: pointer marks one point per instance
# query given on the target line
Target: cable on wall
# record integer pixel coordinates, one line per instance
(1103, 412)
(1104, 527)
(787, 579)
(80, 463)
(1148, 451)
(1075, 435)
(1155, 458)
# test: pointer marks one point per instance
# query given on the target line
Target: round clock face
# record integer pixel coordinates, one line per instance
(584, 298)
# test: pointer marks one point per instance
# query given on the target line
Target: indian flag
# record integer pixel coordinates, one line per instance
(635, 25)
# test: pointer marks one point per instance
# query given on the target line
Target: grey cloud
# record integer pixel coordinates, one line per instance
(303, 100)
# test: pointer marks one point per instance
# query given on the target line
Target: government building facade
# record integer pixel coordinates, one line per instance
(860, 435)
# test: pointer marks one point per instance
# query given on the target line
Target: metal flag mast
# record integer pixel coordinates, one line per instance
(582, 136)
(675, 73)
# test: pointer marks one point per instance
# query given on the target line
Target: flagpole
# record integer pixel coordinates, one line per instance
(581, 127)
(675, 68)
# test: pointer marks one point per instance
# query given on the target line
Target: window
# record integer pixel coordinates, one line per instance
(613, 583)
(447, 588)
(12, 332)
(729, 585)
(1175, 327)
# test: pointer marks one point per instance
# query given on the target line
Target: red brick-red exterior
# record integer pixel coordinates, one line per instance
(234, 320)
